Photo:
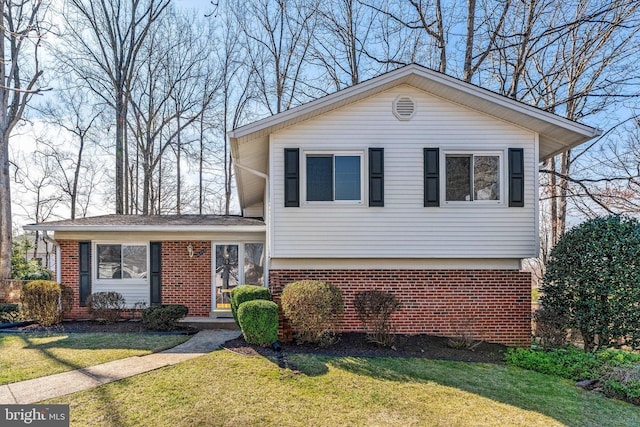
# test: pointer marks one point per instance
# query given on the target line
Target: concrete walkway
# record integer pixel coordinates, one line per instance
(39, 389)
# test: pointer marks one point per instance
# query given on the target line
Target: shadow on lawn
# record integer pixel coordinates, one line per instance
(530, 391)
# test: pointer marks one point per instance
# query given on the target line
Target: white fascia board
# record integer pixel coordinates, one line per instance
(155, 228)
(512, 104)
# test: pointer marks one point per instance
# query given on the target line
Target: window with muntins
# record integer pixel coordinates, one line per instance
(333, 177)
(122, 262)
(472, 177)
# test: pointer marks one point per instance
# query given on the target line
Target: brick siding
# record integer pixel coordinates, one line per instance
(491, 305)
(187, 280)
(71, 276)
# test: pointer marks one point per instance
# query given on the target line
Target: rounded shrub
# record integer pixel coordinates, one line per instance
(259, 321)
(592, 276)
(245, 293)
(106, 306)
(164, 317)
(315, 310)
(40, 302)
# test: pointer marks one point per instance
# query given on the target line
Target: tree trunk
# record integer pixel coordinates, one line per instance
(5, 210)
(468, 54)
(178, 155)
(120, 124)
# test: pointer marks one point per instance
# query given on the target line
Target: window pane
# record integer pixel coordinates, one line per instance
(254, 264)
(458, 178)
(347, 177)
(134, 262)
(226, 273)
(109, 257)
(319, 178)
(486, 178)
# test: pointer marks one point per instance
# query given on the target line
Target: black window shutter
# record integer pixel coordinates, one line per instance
(291, 177)
(516, 177)
(376, 176)
(155, 272)
(431, 177)
(84, 263)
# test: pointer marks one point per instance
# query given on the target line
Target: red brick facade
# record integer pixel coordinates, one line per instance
(491, 305)
(187, 280)
(71, 275)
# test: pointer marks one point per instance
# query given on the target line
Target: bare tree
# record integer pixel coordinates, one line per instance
(103, 42)
(278, 36)
(74, 173)
(20, 72)
(165, 97)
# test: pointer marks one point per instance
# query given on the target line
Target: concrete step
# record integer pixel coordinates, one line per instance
(209, 323)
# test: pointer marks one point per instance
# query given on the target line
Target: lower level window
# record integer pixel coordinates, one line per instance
(472, 177)
(121, 261)
(333, 177)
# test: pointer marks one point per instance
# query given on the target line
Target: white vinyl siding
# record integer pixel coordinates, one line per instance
(404, 228)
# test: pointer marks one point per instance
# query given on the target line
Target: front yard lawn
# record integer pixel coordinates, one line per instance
(27, 356)
(226, 389)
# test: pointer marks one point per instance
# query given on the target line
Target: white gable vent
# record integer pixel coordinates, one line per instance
(404, 107)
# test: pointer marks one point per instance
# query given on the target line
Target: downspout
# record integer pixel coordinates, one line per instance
(265, 207)
(56, 245)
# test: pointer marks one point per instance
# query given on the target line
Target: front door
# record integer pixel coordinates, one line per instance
(226, 275)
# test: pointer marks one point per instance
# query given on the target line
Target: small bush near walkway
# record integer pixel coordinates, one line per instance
(259, 322)
(244, 293)
(164, 317)
(616, 372)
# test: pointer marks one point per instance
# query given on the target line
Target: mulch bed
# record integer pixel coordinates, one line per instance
(356, 344)
(125, 326)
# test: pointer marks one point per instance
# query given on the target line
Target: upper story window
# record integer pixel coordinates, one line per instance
(333, 177)
(123, 262)
(471, 177)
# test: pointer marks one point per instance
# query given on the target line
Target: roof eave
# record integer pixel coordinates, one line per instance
(148, 228)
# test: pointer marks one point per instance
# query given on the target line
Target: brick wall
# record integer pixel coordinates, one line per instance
(184, 280)
(492, 305)
(70, 276)
(187, 280)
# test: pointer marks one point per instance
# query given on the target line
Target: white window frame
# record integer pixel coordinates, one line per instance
(129, 281)
(474, 153)
(333, 153)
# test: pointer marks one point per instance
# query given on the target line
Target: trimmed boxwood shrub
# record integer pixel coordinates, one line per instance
(105, 306)
(164, 317)
(245, 293)
(259, 321)
(315, 310)
(40, 300)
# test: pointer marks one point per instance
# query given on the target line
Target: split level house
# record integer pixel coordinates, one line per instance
(413, 182)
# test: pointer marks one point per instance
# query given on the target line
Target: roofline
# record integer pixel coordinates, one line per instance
(406, 71)
(143, 228)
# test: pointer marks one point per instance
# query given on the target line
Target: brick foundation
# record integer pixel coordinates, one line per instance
(491, 305)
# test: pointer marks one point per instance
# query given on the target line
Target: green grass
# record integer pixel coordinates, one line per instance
(27, 356)
(225, 389)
